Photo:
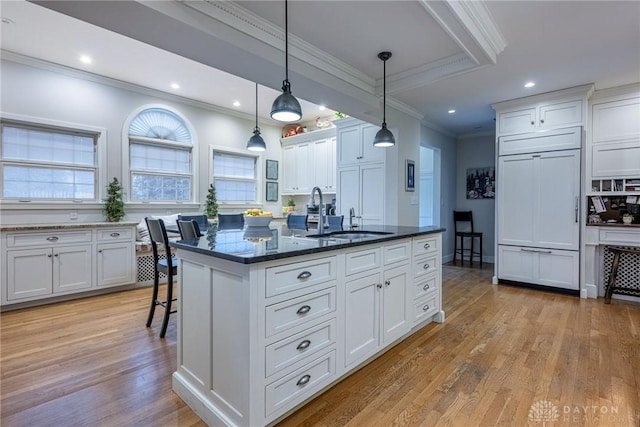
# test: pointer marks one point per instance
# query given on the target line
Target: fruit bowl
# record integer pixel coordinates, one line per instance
(257, 220)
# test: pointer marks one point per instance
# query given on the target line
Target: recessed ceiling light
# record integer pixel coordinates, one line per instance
(175, 85)
(322, 108)
(85, 59)
(529, 84)
(451, 111)
(236, 103)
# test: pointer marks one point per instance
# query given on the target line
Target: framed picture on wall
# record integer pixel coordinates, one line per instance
(410, 178)
(272, 192)
(272, 169)
(481, 183)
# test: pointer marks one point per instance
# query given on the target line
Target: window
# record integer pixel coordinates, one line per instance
(160, 157)
(47, 163)
(235, 177)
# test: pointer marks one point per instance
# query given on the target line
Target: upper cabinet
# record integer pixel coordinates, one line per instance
(567, 108)
(356, 143)
(309, 160)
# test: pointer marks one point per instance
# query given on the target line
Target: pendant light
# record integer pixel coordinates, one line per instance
(286, 107)
(384, 137)
(256, 143)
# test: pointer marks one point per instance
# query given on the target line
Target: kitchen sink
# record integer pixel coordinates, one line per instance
(349, 235)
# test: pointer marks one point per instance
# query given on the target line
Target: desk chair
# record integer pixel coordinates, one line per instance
(168, 266)
(298, 222)
(189, 230)
(463, 228)
(202, 221)
(230, 221)
(613, 274)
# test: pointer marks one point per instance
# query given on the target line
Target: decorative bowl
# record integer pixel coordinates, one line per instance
(257, 221)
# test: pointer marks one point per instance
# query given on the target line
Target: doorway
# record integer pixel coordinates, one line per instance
(429, 186)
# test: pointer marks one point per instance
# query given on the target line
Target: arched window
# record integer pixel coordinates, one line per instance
(160, 157)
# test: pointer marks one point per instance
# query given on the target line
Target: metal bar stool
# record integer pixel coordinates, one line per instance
(611, 284)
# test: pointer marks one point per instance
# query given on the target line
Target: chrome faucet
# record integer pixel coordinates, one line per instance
(321, 214)
(352, 213)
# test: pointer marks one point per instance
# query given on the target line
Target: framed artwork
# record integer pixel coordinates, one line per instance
(272, 191)
(272, 169)
(481, 183)
(410, 176)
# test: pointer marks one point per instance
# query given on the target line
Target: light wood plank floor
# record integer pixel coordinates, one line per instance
(502, 349)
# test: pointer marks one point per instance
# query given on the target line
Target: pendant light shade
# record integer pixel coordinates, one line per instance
(384, 137)
(256, 143)
(286, 107)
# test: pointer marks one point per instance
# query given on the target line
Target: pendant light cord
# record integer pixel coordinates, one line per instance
(256, 105)
(286, 41)
(384, 93)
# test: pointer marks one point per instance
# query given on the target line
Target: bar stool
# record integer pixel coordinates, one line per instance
(466, 219)
(613, 274)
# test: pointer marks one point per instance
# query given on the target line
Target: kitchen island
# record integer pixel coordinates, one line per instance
(269, 317)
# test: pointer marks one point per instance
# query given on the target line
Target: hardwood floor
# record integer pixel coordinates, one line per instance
(502, 349)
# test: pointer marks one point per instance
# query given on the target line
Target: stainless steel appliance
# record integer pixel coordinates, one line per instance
(313, 212)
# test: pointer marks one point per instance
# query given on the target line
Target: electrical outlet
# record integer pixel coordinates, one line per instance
(73, 215)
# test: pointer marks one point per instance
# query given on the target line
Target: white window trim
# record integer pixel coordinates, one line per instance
(126, 172)
(259, 171)
(101, 164)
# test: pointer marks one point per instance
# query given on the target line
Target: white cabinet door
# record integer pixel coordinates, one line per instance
(362, 317)
(298, 175)
(561, 114)
(369, 152)
(552, 115)
(115, 264)
(517, 121)
(396, 303)
(372, 194)
(323, 162)
(620, 159)
(348, 195)
(516, 187)
(29, 273)
(616, 120)
(331, 165)
(349, 146)
(72, 268)
(289, 169)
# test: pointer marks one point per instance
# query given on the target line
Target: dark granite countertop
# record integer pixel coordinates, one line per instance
(257, 244)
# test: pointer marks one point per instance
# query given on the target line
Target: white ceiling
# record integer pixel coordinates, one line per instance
(461, 55)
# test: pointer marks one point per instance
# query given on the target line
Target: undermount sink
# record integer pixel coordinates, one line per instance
(349, 235)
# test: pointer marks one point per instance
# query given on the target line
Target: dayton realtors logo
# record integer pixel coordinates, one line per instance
(543, 412)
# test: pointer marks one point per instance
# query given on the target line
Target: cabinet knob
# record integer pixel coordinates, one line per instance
(55, 255)
(387, 282)
(425, 307)
(303, 345)
(304, 380)
(533, 123)
(49, 255)
(425, 287)
(100, 251)
(541, 120)
(427, 246)
(379, 285)
(303, 310)
(426, 266)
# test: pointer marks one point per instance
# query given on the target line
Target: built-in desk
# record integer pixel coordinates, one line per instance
(596, 256)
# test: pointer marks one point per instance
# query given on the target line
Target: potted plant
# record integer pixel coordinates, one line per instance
(627, 218)
(113, 204)
(291, 206)
(211, 208)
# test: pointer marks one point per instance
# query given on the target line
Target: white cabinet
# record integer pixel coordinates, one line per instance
(362, 188)
(296, 176)
(541, 117)
(547, 267)
(355, 144)
(378, 305)
(427, 278)
(616, 120)
(539, 199)
(309, 160)
(324, 164)
(114, 257)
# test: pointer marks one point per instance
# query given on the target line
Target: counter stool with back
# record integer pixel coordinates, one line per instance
(463, 228)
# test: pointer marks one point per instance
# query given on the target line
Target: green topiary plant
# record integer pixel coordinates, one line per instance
(211, 207)
(113, 204)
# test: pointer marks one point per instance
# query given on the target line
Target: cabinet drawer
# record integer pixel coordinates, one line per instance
(427, 285)
(300, 275)
(287, 314)
(300, 384)
(290, 350)
(621, 159)
(425, 245)
(54, 237)
(114, 234)
(366, 260)
(560, 139)
(425, 265)
(426, 307)
(398, 253)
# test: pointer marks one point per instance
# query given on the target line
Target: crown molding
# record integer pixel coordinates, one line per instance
(437, 128)
(583, 91)
(479, 134)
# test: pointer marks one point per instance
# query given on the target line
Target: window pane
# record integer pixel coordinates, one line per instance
(234, 166)
(160, 188)
(31, 182)
(47, 147)
(160, 159)
(235, 191)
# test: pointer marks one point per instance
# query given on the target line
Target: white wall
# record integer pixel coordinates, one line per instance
(447, 146)
(52, 93)
(477, 152)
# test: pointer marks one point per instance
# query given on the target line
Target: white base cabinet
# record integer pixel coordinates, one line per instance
(285, 330)
(547, 267)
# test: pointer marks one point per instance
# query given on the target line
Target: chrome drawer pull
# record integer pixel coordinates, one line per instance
(304, 275)
(304, 380)
(114, 234)
(425, 287)
(427, 245)
(425, 307)
(52, 239)
(303, 345)
(426, 266)
(304, 309)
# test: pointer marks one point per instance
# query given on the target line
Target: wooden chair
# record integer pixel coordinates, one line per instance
(463, 228)
(230, 221)
(189, 230)
(298, 222)
(201, 219)
(168, 266)
(613, 274)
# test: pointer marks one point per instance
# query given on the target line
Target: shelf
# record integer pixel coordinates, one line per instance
(619, 186)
